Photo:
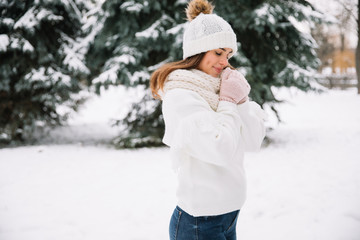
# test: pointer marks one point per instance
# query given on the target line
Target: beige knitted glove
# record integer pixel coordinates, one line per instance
(234, 87)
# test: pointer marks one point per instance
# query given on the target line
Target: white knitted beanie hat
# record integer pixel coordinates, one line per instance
(206, 31)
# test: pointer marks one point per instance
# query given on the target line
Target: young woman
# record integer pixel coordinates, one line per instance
(209, 124)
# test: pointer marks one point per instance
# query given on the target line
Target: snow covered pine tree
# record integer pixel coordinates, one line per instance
(40, 68)
(137, 36)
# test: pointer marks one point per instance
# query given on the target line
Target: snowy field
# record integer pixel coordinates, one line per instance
(304, 186)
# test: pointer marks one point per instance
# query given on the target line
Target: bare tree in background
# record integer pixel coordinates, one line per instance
(346, 18)
(345, 21)
(326, 46)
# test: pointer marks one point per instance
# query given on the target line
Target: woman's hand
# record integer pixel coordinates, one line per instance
(234, 87)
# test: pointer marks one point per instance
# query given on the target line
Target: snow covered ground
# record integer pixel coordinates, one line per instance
(304, 186)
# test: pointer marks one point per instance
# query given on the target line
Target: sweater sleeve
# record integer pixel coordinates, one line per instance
(252, 129)
(191, 126)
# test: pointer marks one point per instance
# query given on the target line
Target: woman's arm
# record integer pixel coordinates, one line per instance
(192, 126)
(252, 129)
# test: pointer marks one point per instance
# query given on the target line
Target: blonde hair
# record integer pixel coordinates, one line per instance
(158, 78)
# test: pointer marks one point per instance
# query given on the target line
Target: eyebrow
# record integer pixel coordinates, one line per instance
(225, 50)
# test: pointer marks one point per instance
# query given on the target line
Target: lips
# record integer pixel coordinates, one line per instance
(218, 70)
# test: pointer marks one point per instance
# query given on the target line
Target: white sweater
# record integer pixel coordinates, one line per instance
(207, 150)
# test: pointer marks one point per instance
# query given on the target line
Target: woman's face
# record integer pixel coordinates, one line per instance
(215, 61)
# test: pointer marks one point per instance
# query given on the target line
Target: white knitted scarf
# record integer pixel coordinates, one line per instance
(207, 86)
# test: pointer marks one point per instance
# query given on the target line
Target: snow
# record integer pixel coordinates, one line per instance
(108, 75)
(27, 46)
(74, 57)
(33, 17)
(74, 7)
(8, 22)
(37, 75)
(300, 26)
(92, 25)
(28, 20)
(126, 59)
(76, 49)
(175, 30)
(131, 6)
(154, 29)
(44, 77)
(112, 67)
(46, 14)
(181, 2)
(136, 76)
(15, 43)
(304, 185)
(264, 13)
(47, 74)
(4, 42)
(295, 70)
(309, 12)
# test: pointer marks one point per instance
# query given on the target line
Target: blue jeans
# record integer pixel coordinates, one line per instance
(186, 227)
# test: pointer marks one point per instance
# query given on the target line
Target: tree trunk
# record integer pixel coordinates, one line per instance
(357, 55)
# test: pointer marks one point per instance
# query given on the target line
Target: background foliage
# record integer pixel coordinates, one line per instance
(123, 43)
(40, 72)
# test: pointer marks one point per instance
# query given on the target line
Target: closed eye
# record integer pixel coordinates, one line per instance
(228, 56)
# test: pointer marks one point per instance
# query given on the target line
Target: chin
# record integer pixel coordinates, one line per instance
(215, 75)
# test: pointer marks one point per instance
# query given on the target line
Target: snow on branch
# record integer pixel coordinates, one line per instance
(296, 13)
(17, 44)
(110, 75)
(33, 17)
(75, 56)
(71, 3)
(296, 71)
(4, 42)
(48, 15)
(131, 6)
(154, 30)
(263, 14)
(44, 77)
(74, 60)
(8, 22)
(27, 21)
(139, 76)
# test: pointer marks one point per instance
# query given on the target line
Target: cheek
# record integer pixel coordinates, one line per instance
(209, 63)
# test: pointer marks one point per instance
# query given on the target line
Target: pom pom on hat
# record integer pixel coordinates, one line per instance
(206, 31)
(196, 7)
